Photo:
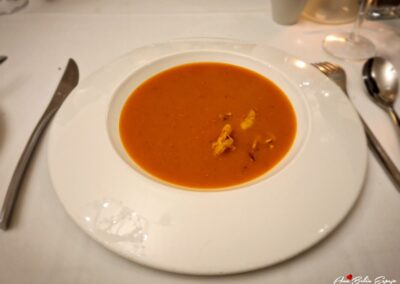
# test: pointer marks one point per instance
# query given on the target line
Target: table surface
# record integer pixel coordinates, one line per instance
(45, 246)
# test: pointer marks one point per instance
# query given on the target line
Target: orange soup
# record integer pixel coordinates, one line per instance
(207, 126)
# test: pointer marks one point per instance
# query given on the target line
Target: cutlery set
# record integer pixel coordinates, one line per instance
(338, 75)
(379, 75)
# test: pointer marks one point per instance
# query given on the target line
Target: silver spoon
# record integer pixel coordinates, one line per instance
(381, 79)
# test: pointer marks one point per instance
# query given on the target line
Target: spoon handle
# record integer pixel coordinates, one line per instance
(382, 156)
(394, 116)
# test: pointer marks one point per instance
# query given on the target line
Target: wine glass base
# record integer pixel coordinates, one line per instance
(344, 46)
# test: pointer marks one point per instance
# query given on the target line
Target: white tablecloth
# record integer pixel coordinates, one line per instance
(45, 246)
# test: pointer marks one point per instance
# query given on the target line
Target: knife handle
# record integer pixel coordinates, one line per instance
(15, 183)
(382, 156)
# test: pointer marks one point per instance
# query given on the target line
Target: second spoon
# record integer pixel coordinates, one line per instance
(381, 79)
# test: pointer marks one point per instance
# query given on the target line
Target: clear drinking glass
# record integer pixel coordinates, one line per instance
(11, 6)
(331, 12)
(351, 45)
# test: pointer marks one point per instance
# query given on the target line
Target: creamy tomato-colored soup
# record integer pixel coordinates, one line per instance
(207, 126)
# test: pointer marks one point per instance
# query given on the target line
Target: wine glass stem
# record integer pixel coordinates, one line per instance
(364, 7)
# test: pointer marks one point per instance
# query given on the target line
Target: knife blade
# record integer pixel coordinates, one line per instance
(68, 82)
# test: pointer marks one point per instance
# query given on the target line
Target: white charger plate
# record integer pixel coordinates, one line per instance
(257, 224)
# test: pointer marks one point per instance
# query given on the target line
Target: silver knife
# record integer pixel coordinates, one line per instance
(68, 82)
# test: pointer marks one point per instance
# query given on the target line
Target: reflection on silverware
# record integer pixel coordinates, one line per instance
(3, 58)
(68, 82)
(338, 75)
(381, 79)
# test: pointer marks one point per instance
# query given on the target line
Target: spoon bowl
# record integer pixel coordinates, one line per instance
(381, 80)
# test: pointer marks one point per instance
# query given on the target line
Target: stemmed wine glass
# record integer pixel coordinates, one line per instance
(351, 45)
